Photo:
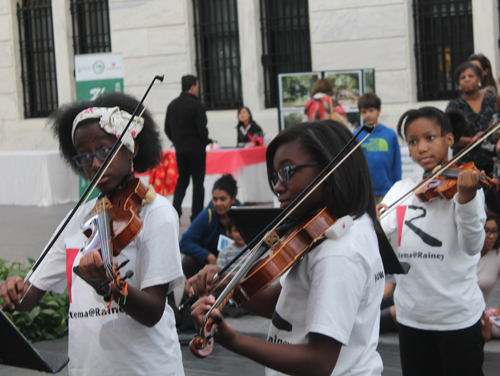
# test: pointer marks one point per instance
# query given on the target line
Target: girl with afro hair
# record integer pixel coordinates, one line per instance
(138, 329)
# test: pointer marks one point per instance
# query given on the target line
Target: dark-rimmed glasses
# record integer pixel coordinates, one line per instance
(285, 173)
(489, 232)
(86, 159)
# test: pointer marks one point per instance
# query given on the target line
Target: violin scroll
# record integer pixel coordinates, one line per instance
(203, 344)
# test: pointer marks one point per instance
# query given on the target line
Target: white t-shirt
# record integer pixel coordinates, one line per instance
(442, 241)
(114, 343)
(336, 290)
(488, 271)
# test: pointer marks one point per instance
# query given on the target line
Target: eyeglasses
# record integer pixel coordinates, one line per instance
(86, 159)
(489, 232)
(285, 173)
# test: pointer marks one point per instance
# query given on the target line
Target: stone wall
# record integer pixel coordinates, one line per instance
(157, 37)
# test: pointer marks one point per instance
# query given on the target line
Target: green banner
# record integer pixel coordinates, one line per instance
(90, 90)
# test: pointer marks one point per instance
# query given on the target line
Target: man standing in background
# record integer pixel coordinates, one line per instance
(186, 127)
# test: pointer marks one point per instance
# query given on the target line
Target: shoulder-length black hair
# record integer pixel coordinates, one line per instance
(452, 121)
(487, 79)
(148, 140)
(250, 121)
(349, 189)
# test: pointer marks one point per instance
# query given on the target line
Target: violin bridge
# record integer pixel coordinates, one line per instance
(272, 238)
(102, 205)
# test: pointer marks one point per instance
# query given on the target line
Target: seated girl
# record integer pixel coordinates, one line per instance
(199, 242)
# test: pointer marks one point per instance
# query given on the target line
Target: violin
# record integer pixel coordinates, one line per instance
(114, 222)
(445, 185)
(281, 256)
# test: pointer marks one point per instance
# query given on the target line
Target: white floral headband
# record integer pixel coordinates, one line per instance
(112, 121)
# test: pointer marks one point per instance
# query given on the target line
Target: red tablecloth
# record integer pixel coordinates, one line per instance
(222, 161)
(228, 161)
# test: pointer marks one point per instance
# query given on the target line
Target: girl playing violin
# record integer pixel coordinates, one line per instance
(438, 303)
(325, 310)
(134, 334)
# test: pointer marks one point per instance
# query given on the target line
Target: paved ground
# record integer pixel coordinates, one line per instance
(25, 230)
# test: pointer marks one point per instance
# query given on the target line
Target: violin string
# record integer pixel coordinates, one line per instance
(228, 290)
(327, 174)
(47, 251)
(222, 278)
(443, 168)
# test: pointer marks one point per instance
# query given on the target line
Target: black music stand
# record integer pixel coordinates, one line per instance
(251, 221)
(16, 351)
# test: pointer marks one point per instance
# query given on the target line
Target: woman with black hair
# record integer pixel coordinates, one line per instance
(329, 300)
(199, 243)
(488, 84)
(478, 109)
(248, 130)
(134, 334)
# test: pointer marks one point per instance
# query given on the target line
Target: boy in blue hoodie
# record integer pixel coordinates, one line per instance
(381, 147)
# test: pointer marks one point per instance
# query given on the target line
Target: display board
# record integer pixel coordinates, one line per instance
(348, 85)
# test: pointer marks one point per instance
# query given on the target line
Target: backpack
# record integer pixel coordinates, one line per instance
(324, 108)
(317, 109)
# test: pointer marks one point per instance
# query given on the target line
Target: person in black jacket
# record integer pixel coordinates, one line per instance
(186, 127)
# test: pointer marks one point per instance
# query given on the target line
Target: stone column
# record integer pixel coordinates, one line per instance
(63, 44)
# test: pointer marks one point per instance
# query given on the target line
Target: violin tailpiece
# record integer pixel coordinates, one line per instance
(272, 238)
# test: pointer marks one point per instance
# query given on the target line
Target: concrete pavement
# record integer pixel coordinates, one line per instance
(25, 230)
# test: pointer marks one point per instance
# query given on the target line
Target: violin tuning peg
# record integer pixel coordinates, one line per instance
(128, 274)
(217, 319)
(214, 332)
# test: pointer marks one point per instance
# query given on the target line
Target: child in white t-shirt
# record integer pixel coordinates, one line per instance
(134, 334)
(438, 303)
(325, 310)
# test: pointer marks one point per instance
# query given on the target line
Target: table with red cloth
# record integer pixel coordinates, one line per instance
(247, 165)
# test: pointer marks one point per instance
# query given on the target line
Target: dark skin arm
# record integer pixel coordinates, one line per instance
(318, 357)
(146, 306)
(13, 289)
(261, 304)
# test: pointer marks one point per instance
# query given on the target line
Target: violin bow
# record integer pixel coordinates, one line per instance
(488, 132)
(95, 180)
(255, 243)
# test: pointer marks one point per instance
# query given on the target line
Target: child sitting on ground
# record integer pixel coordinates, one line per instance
(224, 258)
(231, 251)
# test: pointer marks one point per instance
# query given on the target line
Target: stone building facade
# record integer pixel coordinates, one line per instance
(157, 37)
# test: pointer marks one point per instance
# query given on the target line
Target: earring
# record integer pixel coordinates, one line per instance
(132, 165)
(479, 84)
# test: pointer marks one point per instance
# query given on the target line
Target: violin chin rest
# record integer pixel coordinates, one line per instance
(339, 228)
